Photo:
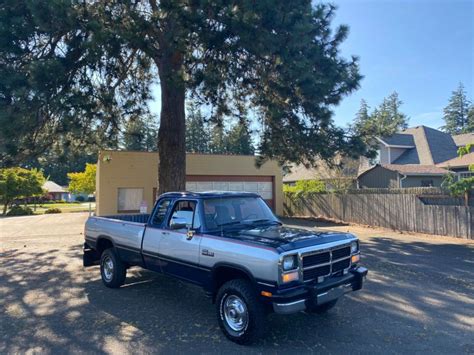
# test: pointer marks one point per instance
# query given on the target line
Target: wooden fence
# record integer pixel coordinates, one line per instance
(400, 211)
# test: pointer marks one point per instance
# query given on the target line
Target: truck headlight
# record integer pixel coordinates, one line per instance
(289, 262)
(354, 247)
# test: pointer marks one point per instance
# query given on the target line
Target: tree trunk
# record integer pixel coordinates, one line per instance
(172, 131)
(5, 206)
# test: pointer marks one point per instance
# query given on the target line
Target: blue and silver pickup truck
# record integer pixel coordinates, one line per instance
(233, 246)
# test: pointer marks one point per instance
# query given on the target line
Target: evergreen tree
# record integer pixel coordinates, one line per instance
(218, 143)
(239, 139)
(385, 120)
(470, 120)
(71, 63)
(197, 132)
(140, 134)
(456, 112)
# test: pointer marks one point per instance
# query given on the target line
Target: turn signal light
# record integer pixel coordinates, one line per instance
(291, 276)
(355, 258)
(266, 294)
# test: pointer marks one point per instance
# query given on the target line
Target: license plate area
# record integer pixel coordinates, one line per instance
(332, 294)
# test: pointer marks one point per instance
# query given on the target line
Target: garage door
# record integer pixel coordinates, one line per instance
(262, 185)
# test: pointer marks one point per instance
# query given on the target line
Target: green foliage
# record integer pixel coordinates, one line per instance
(88, 67)
(463, 187)
(141, 134)
(385, 120)
(53, 210)
(239, 139)
(83, 182)
(20, 211)
(456, 113)
(16, 183)
(197, 130)
(304, 187)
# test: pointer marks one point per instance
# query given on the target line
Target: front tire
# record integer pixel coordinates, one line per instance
(112, 269)
(240, 314)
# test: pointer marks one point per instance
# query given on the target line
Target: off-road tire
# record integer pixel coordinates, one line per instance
(119, 270)
(255, 328)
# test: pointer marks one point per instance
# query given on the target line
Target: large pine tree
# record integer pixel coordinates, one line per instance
(90, 63)
(456, 113)
(239, 139)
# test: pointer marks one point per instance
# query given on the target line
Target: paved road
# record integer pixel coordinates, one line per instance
(419, 298)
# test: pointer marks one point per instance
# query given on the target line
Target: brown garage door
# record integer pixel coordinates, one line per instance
(262, 185)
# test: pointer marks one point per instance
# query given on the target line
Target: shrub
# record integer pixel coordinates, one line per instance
(52, 210)
(80, 198)
(306, 186)
(20, 211)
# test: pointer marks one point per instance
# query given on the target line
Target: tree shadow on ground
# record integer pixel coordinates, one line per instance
(418, 298)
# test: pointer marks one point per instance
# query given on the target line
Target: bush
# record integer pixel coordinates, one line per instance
(80, 198)
(52, 210)
(20, 211)
(306, 186)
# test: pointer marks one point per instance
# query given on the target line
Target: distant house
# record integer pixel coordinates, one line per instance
(463, 139)
(401, 176)
(333, 176)
(418, 145)
(54, 192)
(460, 165)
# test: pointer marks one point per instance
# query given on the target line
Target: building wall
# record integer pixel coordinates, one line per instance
(417, 181)
(379, 177)
(122, 169)
(395, 153)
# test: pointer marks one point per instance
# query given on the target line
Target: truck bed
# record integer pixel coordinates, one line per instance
(137, 218)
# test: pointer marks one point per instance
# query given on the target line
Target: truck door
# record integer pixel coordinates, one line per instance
(179, 252)
(153, 234)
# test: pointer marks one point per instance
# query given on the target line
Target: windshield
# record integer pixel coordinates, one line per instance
(237, 211)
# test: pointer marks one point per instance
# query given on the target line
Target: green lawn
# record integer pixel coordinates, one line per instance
(64, 207)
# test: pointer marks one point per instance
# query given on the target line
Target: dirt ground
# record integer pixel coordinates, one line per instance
(419, 297)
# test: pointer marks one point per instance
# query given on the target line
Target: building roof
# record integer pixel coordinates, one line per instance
(399, 140)
(323, 171)
(410, 169)
(431, 147)
(463, 139)
(51, 186)
(415, 169)
(459, 162)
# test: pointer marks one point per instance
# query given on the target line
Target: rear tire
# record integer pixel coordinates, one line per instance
(112, 270)
(323, 308)
(240, 314)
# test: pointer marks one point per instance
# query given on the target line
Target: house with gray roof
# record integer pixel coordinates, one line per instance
(418, 145)
(413, 157)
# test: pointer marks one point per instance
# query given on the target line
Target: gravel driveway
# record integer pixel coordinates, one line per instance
(419, 298)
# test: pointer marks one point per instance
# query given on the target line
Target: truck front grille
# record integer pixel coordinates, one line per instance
(326, 263)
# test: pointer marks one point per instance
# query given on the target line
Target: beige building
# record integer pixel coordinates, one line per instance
(128, 180)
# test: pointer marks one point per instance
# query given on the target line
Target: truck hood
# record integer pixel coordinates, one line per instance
(286, 239)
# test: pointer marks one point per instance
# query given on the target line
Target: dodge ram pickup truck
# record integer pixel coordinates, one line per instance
(233, 246)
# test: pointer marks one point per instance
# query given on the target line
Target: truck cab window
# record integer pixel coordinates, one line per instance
(185, 212)
(161, 210)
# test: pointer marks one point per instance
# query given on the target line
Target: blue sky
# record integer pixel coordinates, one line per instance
(420, 48)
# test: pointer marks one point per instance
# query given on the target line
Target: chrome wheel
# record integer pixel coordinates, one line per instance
(108, 268)
(235, 312)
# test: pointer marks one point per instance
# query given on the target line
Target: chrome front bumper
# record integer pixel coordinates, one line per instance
(316, 297)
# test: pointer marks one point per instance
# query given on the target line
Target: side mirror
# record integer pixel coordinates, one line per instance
(178, 223)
